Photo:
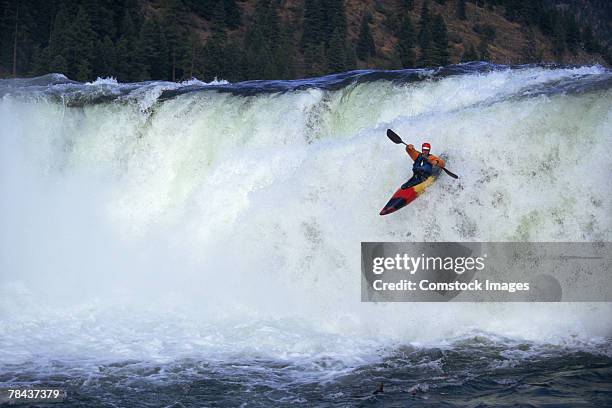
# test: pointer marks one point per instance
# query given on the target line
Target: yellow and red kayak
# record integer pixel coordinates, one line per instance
(403, 197)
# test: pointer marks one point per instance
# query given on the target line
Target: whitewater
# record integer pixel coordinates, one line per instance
(158, 234)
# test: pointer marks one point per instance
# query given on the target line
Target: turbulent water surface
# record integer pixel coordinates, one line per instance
(198, 244)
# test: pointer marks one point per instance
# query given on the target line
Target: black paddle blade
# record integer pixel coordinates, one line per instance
(450, 173)
(394, 137)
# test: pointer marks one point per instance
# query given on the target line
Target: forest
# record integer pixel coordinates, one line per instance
(138, 40)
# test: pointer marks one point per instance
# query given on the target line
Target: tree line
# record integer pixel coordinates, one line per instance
(136, 40)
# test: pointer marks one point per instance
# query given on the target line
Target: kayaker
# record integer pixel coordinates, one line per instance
(423, 164)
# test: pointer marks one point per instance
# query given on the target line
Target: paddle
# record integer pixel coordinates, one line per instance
(395, 138)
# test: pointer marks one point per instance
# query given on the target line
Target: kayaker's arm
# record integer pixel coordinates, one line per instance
(412, 152)
(436, 161)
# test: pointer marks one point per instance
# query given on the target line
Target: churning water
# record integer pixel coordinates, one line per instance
(198, 244)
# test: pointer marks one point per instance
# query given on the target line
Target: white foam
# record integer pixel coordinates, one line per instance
(222, 224)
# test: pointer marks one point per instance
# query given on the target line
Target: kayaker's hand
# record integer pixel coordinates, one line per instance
(410, 147)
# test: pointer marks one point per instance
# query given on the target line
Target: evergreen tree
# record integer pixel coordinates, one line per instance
(101, 17)
(236, 66)
(590, 44)
(58, 64)
(22, 45)
(232, 14)
(486, 30)
(175, 37)
(572, 33)
(512, 9)
(547, 22)
(133, 9)
(260, 61)
(558, 39)
(81, 42)
(365, 43)
(42, 15)
(394, 61)
(7, 26)
(483, 50)
(122, 52)
(262, 42)
(526, 11)
(425, 42)
(337, 52)
(405, 44)
(607, 55)
(351, 57)
(271, 24)
(106, 59)
(315, 60)
(214, 57)
(285, 54)
(439, 33)
(127, 51)
(203, 8)
(191, 57)
(530, 53)
(424, 24)
(154, 49)
(406, 5)
(218, 18)
(127, 26)
(461, 14)
(40, 62)
(530, 11)
(314, 21)
(195, 60)
(335, 36)
(58, 42)
(469, 54)
(215, 61)
(335, 19)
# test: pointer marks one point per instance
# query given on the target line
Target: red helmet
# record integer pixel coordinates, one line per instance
(426, 146)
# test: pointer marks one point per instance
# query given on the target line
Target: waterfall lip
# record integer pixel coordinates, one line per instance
(342, 80)
(59, 88)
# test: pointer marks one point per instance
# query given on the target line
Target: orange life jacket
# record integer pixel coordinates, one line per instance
(414, 153)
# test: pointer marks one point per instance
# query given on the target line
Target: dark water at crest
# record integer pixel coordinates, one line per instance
(72, 93)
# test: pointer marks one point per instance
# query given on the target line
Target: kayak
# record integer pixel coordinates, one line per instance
(402, 198)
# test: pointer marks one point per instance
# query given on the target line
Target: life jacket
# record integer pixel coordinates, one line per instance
(422, 165)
